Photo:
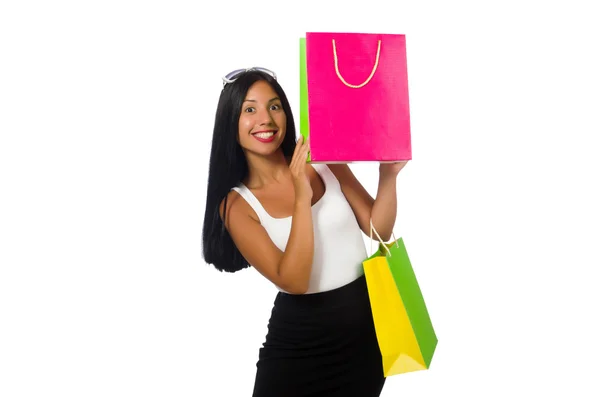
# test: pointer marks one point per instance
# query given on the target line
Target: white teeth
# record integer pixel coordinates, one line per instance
(264, 135)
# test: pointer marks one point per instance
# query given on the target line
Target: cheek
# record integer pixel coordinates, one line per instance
(244, 126)
(281, 120)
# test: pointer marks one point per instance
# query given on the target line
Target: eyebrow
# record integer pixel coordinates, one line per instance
(270, 100)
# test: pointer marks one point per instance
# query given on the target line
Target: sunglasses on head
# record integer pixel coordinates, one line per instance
(233, 76)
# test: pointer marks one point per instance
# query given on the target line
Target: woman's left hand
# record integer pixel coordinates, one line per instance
(391, 169)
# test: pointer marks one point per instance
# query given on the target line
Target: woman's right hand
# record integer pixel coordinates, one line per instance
(298, 169)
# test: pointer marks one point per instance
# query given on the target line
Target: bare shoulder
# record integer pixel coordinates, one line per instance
(342, 172)
(348, 181)
(339, 170)
(252, 240)
(237, 207)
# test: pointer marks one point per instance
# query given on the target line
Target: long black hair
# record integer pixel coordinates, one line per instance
(228, 167)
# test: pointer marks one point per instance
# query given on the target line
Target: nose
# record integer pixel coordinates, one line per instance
(264, 117)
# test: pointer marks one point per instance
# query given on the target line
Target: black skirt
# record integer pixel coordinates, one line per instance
(321, 344)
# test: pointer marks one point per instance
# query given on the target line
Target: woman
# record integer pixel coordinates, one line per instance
(300, 225)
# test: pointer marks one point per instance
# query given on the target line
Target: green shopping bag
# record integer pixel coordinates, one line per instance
(304, 125)
(404, 330)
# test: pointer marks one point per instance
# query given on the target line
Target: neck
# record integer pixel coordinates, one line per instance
(266, 170)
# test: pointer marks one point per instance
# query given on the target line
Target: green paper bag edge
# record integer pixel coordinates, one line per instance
(304, 125)
(412, 297)
(382, 252)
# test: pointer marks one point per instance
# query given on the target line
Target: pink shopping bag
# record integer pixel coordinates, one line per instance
(355, 100)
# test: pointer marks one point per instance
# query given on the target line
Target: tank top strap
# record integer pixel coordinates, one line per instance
(252, 201)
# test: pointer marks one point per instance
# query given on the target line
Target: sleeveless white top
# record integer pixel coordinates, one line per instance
(339, 248)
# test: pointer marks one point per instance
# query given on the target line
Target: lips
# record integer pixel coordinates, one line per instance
(265, 136)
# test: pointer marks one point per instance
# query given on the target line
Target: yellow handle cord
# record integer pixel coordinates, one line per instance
(337, 70)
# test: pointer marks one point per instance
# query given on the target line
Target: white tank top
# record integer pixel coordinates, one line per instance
(339, 248)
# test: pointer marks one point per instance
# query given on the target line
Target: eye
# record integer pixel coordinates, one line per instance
(249, 109)
(276, 106)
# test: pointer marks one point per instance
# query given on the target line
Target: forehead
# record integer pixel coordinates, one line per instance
(261, 90)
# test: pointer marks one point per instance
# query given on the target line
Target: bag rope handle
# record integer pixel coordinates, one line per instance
(337, 70)
(379, 238)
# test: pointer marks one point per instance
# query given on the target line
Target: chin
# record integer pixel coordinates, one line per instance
(263, 151)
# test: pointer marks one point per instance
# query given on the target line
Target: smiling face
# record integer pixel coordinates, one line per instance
(262, 120)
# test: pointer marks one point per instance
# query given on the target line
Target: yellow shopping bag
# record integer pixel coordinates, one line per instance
(404, 330)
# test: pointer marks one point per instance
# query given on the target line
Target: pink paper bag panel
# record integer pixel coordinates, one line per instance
(358, 105)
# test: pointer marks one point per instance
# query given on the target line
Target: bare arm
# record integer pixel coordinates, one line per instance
(383, 209)
(289, 270)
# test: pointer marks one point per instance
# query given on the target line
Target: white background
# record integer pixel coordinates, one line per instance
(106, 114)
